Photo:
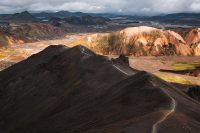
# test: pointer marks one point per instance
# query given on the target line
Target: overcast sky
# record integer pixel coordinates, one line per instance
(113, 6)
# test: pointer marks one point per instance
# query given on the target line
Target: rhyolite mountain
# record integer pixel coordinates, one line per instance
(193, 40)
(74, 90)
(141, 41)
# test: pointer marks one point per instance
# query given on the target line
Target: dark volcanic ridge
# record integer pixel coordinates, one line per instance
(73, 90)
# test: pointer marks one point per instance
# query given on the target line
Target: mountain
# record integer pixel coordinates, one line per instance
(142, 41)
(64, 14)
(74, 90)
(74, 20)
(191, 19)
(58, 14)
(21, 17)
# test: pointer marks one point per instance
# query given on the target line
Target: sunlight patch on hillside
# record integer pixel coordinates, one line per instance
(185, 65)
(177, 80)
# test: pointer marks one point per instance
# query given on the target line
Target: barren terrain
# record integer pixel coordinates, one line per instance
(152, 64)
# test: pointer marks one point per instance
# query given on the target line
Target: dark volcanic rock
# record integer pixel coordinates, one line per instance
(123, 59)
(73, 90)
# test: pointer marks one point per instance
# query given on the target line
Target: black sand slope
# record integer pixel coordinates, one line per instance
(73, 90)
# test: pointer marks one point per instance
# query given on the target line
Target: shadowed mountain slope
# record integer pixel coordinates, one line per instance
(74, 90)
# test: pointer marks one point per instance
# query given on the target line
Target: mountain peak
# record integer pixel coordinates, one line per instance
(23, 16)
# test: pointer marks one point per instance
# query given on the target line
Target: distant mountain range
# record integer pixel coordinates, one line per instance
(68, 17)
(68, 13)
(178, 18)
(192, 19)
(77, 14)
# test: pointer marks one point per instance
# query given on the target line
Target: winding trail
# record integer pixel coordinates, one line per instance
(119, 69)
(171, 111)
(83, 51)
(165, 116)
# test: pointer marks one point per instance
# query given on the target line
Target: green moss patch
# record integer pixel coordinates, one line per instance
(185, 65)
(178, 80)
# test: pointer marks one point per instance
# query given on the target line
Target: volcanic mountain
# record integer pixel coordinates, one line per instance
(21, 17)
(73, 90)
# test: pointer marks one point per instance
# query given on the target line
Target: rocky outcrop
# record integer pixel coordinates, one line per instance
(193, 40)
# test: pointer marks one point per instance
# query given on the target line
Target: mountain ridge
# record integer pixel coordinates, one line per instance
(72, 90)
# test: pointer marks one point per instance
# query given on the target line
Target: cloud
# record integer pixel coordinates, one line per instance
(113, 6)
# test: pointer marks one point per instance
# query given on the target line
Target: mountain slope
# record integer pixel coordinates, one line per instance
(28, 32)
(74, 90)
(7, 39)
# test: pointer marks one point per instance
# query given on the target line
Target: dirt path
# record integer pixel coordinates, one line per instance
(119, 69)
(171, 111)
